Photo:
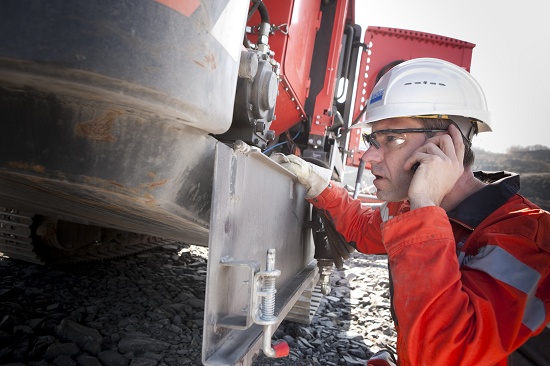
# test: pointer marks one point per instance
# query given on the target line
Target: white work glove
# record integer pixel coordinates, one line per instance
(311, 176)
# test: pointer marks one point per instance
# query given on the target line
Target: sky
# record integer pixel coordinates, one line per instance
(510, 60)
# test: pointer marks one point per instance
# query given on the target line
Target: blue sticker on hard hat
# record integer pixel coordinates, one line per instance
(375, 97)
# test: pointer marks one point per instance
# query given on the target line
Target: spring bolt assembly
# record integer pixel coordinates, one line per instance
(264, 310)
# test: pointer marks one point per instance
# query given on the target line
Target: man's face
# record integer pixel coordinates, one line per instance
(391, 179)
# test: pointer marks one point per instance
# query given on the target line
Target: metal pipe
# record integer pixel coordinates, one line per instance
(360, 171)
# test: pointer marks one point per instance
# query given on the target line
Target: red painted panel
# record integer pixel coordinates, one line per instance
(300, 41)
(299, 19)
(322, 113)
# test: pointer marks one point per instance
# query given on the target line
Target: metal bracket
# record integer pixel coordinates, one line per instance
(283, 28)
(261, 301)
(239, 239)
(259, 305)
(244, 319)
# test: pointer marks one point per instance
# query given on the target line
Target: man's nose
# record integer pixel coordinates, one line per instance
(372, 155)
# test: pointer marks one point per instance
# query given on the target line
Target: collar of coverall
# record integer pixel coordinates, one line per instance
(475, 208)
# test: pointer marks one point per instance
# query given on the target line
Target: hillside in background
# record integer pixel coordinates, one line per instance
(533, 165)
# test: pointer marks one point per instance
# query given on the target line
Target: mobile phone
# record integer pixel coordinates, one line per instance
(415, 166)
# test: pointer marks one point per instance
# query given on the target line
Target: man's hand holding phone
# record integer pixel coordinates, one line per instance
(440, 162)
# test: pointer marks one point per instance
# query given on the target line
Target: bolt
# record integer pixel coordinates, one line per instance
(240, 146)
(268, 286)
(270, 265)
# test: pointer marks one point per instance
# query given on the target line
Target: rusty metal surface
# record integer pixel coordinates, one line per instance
(85, 154)
(167, 60)
(91, 205)
(106, 110)
(256, 205)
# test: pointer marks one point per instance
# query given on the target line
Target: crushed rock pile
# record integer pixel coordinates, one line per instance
(147, 310)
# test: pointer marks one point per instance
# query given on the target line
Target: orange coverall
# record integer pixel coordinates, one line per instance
(470, 286)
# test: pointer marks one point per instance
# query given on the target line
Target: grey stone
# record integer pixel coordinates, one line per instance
(140, 361)
(61, 349)
(64, 360)
(85, 360)
(141, 345)
(112, 358)
(87, 339)
(40, 346)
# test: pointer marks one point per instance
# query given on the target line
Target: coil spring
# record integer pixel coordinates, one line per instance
(268, 301)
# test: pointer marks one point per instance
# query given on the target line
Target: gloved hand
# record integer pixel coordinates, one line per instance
(313, 177)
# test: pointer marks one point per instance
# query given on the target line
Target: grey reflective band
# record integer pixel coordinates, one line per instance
(504, 267)
(534, 313)
(384, 211)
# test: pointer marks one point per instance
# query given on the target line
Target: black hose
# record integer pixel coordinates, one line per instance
(252, 10)
(262, 9)
(264, 15)
(347, 49)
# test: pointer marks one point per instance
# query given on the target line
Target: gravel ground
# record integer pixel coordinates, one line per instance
(147, 309)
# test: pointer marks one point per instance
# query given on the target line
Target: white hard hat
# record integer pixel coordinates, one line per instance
(427, 87)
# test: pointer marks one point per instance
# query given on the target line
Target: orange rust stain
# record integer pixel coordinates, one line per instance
(209, 62)
(185, 7)
(156, 184)
(25, 166)
(116, 184)
(150, 200)
(99, 129)
(104, 184)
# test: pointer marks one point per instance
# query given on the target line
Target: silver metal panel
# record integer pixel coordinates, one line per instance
(256, 205)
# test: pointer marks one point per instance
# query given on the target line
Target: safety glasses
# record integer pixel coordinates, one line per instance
(392, 137)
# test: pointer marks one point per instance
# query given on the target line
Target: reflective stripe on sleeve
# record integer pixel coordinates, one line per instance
(506, 268)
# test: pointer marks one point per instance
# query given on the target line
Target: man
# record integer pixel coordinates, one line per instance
(468, 257)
